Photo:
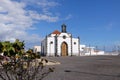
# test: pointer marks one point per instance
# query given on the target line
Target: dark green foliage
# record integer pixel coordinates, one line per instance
(1, 47)
(11, 49)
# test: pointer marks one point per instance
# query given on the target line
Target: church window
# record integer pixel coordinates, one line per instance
(74, 43)
(51, 42)
(64, 37)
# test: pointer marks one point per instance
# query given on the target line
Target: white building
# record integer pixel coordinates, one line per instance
(90, 51)
(60, 44)
(37, 49)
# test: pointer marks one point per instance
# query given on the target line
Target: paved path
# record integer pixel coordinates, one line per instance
(86, 68)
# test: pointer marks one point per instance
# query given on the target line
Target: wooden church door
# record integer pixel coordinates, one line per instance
(64, 49)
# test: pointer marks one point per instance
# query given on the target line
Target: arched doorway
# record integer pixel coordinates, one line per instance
(64, 49)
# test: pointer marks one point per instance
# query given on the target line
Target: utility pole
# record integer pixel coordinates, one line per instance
(89, 49)
(96, 49)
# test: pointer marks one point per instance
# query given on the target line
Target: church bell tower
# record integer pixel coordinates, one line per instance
(64, 28)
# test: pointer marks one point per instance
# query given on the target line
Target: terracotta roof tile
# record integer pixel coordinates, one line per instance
(56, 32)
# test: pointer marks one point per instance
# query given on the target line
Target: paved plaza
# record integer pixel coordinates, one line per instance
(85, 68)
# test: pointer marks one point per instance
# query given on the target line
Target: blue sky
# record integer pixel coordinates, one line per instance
(96, 22)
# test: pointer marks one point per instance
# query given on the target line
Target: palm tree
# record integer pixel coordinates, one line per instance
(11, 49)
(7, 48)
(19, 47)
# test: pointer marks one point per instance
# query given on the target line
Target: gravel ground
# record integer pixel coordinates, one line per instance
(85, 68)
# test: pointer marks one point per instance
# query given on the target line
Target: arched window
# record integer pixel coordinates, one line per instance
(51, 42)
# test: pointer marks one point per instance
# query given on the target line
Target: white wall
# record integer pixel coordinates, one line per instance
(51, 46)
(75, 46)
(82, 47)
(101, 53)
(61, 40)
(43, 47)
(37, 49)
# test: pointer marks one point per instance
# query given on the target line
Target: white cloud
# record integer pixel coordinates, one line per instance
(15, 20)
(44, 5)
(44, 17)
(68, 17)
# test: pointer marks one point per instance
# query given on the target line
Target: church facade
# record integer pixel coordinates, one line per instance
(60, 44)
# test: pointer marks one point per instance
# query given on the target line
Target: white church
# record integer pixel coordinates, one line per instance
(60, 44)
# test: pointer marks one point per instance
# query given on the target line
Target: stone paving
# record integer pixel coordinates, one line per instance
(85, 68)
